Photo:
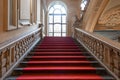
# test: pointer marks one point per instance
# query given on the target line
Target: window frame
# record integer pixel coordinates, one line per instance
(53, 23)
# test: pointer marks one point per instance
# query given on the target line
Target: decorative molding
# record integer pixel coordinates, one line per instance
(111, 17)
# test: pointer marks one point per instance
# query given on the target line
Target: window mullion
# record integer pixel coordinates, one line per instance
(53, 24)
(61, 24)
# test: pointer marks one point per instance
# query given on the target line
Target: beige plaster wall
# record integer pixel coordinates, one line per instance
(73, 8)
(1, 15)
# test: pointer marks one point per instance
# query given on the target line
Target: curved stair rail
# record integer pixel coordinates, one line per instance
(105, 50)
(12, 51)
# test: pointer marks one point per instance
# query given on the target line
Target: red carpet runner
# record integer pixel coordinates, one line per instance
(58, 58)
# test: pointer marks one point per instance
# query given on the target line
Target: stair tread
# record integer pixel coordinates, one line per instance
(38, 62)
(59, 57)
(60, 68)
(58, 52)
(62, 77)
(56, 47)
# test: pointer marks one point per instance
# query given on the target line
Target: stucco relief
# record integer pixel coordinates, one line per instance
(110, 17)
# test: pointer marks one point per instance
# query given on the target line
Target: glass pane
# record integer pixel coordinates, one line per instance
(57, 19)
(63, 19)
(57, 34)
(50, 19)
(85, 2)
(63, 34)
(57, 11)
(51, 10)
(50, 28)
(57, 28)
(82, 6)
(63, 28)
(50, 34)
(57, 6)
(63, 10)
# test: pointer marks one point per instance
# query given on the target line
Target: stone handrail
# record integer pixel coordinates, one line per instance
(13, 50)
(106, 50)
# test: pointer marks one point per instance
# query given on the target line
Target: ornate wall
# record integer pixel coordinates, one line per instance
(110, 18)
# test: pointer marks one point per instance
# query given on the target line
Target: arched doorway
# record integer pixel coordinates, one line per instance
(57, 19)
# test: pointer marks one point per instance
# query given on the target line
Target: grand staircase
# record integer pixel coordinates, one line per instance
(59, 58)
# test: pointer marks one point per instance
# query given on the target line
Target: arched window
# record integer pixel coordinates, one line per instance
(57, 20)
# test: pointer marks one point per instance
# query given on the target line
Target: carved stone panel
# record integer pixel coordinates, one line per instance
(111, 17)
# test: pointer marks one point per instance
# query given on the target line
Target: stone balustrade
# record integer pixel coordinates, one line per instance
(105, 50)
(15, 49)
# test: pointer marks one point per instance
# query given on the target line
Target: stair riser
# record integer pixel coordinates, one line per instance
(56, 59)
(58, 79)
(56, 47)
(100, 72)
(58, 64)
(58, 54)
(58, 50)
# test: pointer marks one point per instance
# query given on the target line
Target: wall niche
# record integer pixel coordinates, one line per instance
(20, 13)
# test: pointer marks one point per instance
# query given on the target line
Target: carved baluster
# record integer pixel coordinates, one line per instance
(22, 51)
(95, 47)
(12, 54)
(22, 44)
(19, 50)
(90, 43)
(95, 44)
(4, 61)
(1, 64)
(16, 52)
(101, 51)
(111, 60)
(107, 56)
(85, 40)
(28, 42)
(98, 50)
(8, 59)
(118, 64)
(25, 44)
(115, 64)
